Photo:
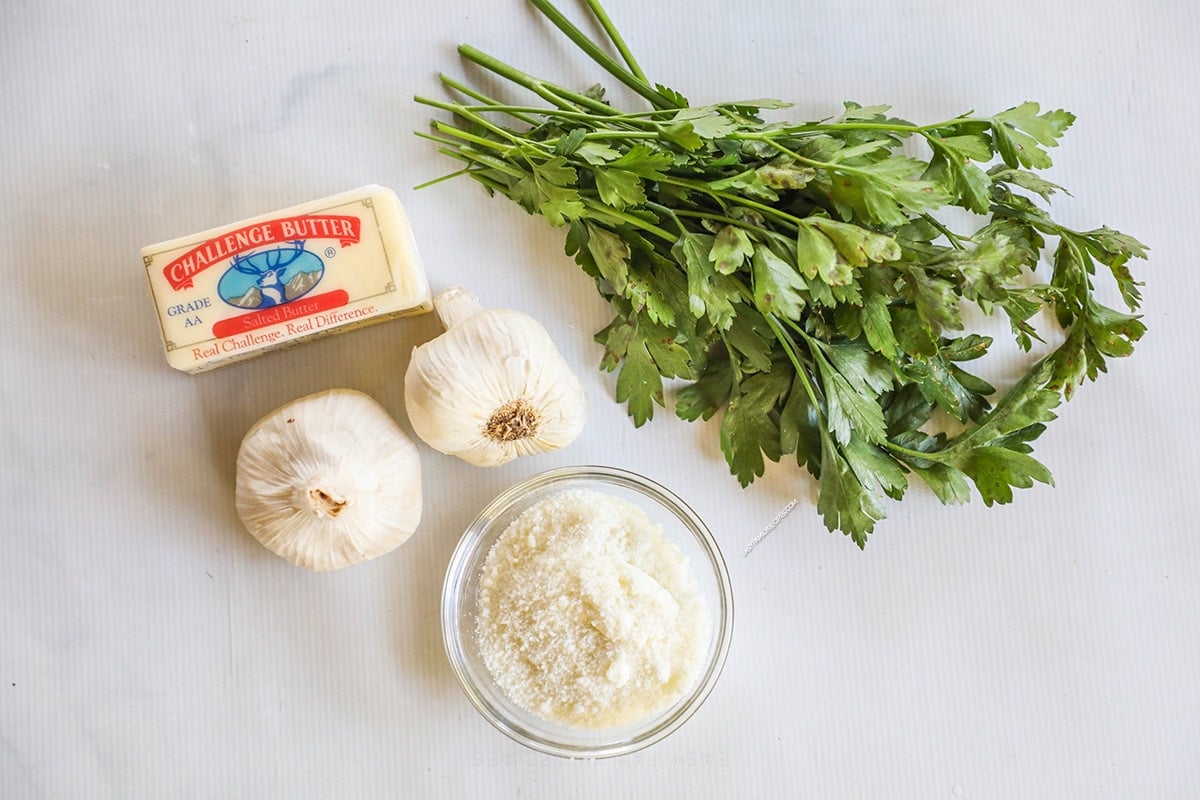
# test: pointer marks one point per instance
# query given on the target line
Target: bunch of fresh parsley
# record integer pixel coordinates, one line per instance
(796, 277)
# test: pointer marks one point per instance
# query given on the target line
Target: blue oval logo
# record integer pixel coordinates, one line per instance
(271, 277)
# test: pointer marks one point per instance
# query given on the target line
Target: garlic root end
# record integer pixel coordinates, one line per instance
(325, 504)
(514, 420)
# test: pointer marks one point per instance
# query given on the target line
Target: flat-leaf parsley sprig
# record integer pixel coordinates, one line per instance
(796, 276)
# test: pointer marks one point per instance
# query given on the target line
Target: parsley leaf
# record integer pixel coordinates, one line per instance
(843, 501)
(639, 382)
(852, 403)
(709, 293)
(800, 427)
(619, 188)
(1022, 134)
(611, 255)
(750, 428)
(730, 249)
(708, 394)
(778, 287)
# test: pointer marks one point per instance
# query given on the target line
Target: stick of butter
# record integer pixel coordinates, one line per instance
(282, 278)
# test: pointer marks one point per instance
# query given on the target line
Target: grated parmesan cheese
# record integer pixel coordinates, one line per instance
(587, 615)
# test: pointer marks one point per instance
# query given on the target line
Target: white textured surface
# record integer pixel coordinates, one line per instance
(149, 648)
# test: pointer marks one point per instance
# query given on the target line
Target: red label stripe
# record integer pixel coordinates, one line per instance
(297, 309)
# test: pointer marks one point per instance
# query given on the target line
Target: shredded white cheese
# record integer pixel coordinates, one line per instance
(588, 615)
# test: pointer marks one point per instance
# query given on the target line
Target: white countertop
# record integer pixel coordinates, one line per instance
(149, 648)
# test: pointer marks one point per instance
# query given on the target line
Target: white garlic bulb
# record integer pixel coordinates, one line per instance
(329, 480)
(492, 387)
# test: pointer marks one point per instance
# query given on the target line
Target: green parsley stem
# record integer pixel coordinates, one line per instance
(789, 349)
(736, 199)
(459, 133)
(580, 118)
(446, 177)
(1038, 222)
(440, 140)
(913, 454)
(503, 133)
(484, 161)
(490, 183)
(890, 127)
(600, 136)
(598, 209)
(864, 126)
(487, 105)
(581, 40)
(724, 220)
(950, 235)
(516, 112)
(556, 95)
(606, 23)
(811, 162)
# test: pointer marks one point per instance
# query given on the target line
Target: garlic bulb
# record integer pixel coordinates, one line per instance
(329, 480)
(492, 387)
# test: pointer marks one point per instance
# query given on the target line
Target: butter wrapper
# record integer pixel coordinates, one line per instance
(279, 279)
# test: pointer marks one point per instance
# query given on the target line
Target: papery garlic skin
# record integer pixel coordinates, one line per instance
(493, 387)
(329, 480)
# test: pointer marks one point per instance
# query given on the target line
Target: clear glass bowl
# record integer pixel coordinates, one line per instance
(680, 525)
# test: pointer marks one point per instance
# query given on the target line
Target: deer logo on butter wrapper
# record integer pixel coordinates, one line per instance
(271, 277)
